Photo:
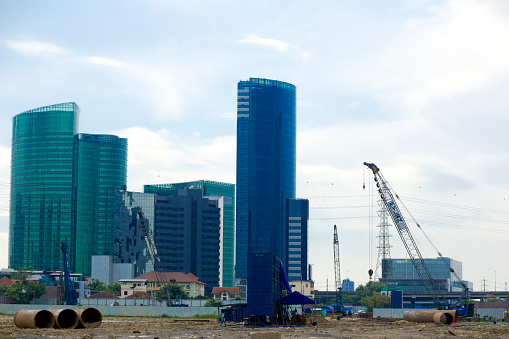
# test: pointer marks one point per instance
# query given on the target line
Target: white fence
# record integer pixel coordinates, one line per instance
(396, 313)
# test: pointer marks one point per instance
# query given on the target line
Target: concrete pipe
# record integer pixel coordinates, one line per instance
(89, 317)
(431, 316)
(65, 318)
(34, 319)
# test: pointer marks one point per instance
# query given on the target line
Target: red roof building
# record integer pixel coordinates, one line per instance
(6, 281)
(152, 281)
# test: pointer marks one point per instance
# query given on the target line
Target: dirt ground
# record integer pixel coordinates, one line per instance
(326, 328)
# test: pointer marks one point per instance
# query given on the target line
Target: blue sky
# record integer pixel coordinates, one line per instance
(417, 87)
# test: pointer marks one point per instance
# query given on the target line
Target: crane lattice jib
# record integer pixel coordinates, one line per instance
(421, 268)
(337, 270)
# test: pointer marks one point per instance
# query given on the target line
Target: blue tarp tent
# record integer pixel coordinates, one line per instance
(296, 299)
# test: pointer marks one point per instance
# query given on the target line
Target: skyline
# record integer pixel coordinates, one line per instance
(416, 87)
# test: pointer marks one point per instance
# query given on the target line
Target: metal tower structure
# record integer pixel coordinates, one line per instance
(383, 264)
(337, 270)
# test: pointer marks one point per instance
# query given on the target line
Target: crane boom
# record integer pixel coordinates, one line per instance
(149, 240)
(421, 268)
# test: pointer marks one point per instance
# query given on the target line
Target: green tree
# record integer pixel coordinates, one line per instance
(171, 290)
(213, 303)
(21, 274)
(376, 301)
(97, 285)
(238, 297)
(24, 293)
(3, 288)
(363, 291)
(113, 289)
(201, 297)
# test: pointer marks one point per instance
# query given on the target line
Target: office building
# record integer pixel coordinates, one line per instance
(100, 167)
(407, 278)
(185, 228)
(129, 243)
(212, 189)
(62, 189)
(41, 187)
(298, 216)
(347, 285)
(265, 168)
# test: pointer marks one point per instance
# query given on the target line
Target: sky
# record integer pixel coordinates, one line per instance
(417, 87)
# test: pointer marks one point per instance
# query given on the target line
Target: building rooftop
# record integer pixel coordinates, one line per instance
(179, 277)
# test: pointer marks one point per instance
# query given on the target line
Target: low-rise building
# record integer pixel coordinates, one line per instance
(152, 281)
(226, 293)
(304, 287)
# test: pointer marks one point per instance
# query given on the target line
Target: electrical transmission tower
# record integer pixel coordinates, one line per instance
(384, 262)
(337, 271)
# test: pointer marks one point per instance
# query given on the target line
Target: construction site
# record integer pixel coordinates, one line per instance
(272, 309)
(328, 327)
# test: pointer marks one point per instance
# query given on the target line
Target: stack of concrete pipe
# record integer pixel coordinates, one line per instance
(432, 316)
(59, 318)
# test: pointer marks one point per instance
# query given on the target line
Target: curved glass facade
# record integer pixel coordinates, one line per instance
(266, 119)
(41, 186)
(100, 167)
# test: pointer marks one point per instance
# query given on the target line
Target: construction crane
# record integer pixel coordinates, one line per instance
(153, 254)
(337, 271)
(421, 268)
(71, 296)
(149, 239)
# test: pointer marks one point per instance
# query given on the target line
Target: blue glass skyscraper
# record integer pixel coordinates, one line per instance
(265, 168)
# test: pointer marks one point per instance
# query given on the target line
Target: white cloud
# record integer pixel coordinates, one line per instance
(105, 61)
(228, 115)
(459, 48)
(272, 43)
(34, 47)
(161, 157)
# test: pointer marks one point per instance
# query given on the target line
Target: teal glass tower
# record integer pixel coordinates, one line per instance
(100, 167)
(266, 120)
(41, 186)
(212, 189)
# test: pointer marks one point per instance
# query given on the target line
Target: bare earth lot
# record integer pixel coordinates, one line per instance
(188, 328)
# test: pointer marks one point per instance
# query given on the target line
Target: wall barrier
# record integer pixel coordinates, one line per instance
(123, 311)
(397, 313)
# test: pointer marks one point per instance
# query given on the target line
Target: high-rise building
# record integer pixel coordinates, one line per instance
(62, 189)
(298, 216)
(100, 167)
(227, 236)
(265, 168)
(129, 244)
(41, 186)
(185, 228)
(347, 285)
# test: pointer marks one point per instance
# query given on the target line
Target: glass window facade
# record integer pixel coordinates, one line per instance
(406, 277)
(41, 186)
(265, 167)
(129, 244)
(212, 189)
(298, 216)
(100, 167)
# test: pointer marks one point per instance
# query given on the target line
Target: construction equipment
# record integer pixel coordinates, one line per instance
(421, 268)
(71, 296)
(144, 226)
(337, 272)
(506, 315)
